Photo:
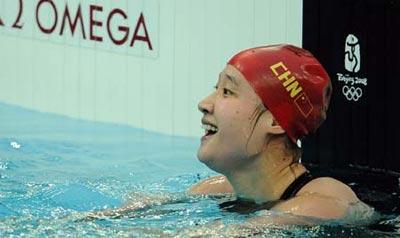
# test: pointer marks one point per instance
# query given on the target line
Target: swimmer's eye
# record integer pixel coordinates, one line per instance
(225, 91)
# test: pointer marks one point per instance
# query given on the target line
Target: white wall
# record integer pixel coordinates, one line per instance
(156, 90)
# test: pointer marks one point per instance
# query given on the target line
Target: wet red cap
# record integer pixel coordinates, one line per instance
(292, 84)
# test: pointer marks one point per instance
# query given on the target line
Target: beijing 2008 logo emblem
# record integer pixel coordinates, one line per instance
(353, 84)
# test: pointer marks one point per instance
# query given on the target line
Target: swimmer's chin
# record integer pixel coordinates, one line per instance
(210, 162)
(203, 157)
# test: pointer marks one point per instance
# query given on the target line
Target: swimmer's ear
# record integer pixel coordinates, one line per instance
(272, 126)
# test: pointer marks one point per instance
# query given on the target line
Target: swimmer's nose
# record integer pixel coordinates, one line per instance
(206, 106)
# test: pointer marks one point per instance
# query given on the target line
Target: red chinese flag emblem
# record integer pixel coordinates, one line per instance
(303, 104)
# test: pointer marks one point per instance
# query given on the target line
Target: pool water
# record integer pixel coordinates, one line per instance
(55, 171)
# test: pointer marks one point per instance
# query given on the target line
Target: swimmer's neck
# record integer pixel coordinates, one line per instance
(264, 180)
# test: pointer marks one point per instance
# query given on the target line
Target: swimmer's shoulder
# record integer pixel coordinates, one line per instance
(325, 198)
(212, 186)
(330, 187)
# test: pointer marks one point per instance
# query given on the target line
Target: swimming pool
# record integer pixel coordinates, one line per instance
(54, 170)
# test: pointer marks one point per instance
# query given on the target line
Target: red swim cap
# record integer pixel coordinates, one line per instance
(292, 84)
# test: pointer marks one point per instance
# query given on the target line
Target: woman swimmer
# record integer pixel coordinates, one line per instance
(266, 100)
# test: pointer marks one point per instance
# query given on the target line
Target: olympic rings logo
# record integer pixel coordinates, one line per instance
(352, 93)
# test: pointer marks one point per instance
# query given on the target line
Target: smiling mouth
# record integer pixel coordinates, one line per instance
(210, 133)
(210, 130)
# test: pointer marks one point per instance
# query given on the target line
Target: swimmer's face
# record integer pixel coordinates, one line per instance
(229, 115)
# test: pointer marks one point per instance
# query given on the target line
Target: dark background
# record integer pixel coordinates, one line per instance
(364, 133)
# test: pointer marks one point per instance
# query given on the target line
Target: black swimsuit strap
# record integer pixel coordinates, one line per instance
(244, 206)
(297, 185)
